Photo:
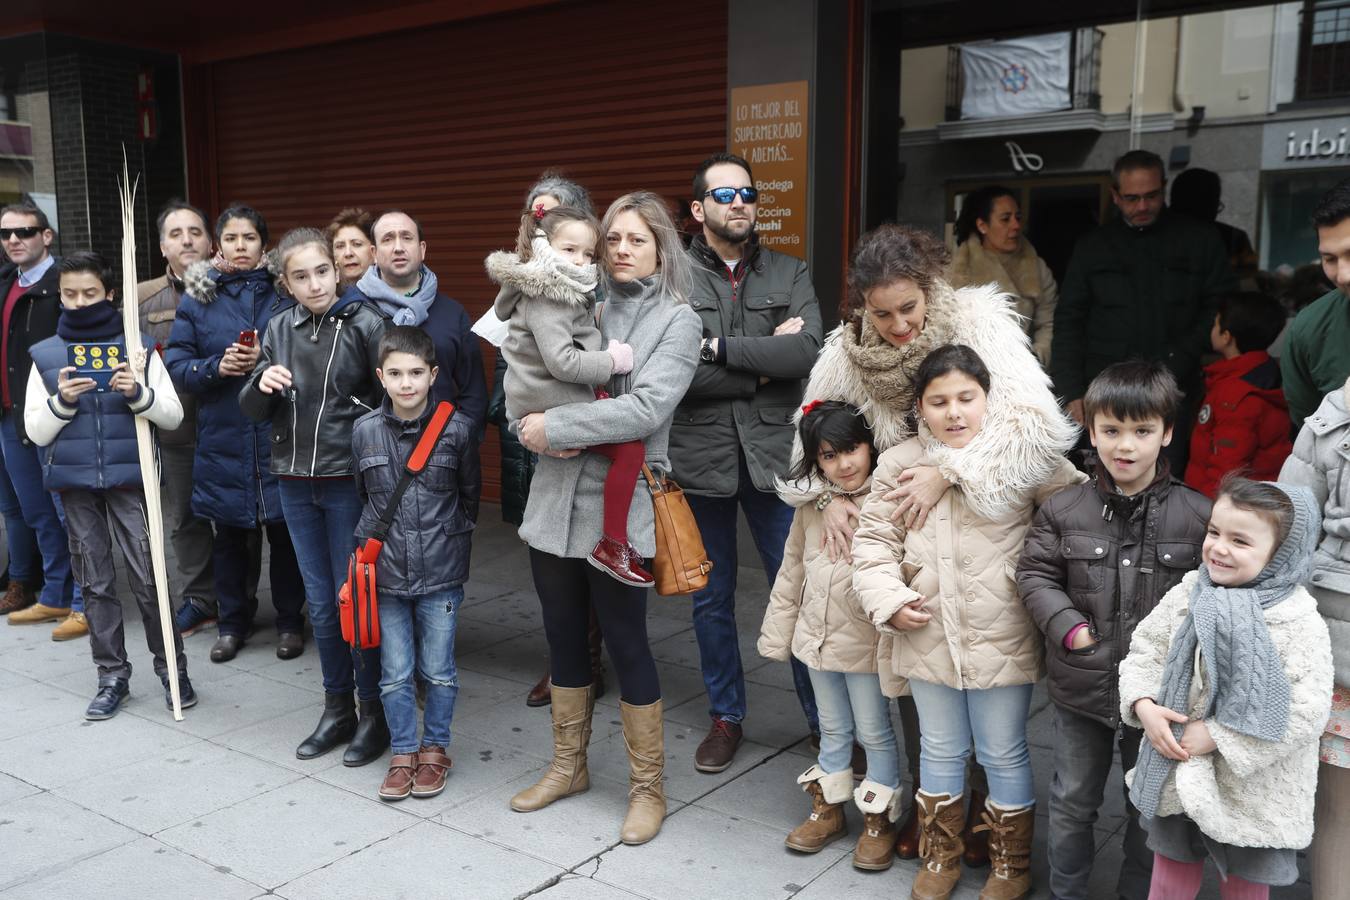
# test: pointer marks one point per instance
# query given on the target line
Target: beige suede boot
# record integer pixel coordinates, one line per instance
(644, 736)
(941, 818)
(566, 774)
(828, 791)
(880, 807)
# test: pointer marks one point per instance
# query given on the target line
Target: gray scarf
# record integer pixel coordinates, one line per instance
(1249, 689)
(405, 309)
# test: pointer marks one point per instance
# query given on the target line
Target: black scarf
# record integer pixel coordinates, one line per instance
(99, 321)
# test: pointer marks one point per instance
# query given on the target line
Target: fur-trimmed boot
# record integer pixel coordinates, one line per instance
(828, 792)
(941, 817)
(1010, 832)
(880, 807)
(566, 774)
(644, 736)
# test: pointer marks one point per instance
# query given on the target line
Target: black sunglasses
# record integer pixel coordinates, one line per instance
(726, 195)
(24, 233)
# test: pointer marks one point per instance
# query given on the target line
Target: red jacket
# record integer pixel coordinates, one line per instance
(1243, 424)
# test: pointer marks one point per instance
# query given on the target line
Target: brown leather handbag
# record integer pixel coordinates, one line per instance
(681, 565)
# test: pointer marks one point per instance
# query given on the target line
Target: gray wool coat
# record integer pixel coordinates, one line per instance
(1321, 461)
(565, 511)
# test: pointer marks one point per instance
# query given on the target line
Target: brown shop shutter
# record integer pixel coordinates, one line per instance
(453, 123)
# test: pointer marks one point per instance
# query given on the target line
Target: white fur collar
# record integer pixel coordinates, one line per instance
(544, 274)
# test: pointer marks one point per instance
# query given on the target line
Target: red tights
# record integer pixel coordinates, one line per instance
(625, 465)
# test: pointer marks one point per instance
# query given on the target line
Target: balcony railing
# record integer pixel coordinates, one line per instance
(1085, 72)
(1323, 51)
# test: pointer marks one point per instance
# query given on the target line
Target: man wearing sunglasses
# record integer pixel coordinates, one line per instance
(732, 434)
(31, 297)
(1145, 285)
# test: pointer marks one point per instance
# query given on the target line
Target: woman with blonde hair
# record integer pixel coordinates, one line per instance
(646, 284)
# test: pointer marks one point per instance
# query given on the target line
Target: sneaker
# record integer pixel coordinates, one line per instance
(718, 749)
(192, 617)
(39, 612)
(72, 626)
(187, 697)
(108, 700)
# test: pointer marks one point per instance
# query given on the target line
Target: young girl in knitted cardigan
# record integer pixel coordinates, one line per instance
(1230, 678)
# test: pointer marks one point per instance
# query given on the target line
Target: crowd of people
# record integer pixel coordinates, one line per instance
(980, 478)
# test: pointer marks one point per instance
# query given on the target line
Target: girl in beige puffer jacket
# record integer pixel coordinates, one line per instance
(945, 595)
(814, 615)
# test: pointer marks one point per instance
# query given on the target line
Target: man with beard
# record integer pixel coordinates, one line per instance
(732, 433)
(1145, 285)
(184, 238)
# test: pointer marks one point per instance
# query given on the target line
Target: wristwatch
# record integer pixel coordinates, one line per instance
(706, 353)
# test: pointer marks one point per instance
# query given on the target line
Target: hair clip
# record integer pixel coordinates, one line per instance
(810, 408)
(539, 211)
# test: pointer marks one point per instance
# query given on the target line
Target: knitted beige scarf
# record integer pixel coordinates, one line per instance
(887, 371)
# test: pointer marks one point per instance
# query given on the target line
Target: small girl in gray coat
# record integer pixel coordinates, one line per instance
(553, 354)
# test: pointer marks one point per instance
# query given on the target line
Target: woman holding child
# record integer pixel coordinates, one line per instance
(646, 279)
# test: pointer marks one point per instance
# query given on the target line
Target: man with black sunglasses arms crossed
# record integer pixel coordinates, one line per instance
(1145, 285)
(732, 434)
(30, 301)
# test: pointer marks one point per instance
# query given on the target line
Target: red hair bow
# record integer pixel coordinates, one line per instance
(809, 408)
(539, 211)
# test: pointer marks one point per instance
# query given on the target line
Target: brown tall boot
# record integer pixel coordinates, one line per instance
(1010, 833)
(644, 736)
(828, 791)
(593, 638)
(566, 774)
(907, 835)
(879, 805)
(539, 694)
(940, 821)
(976, 838)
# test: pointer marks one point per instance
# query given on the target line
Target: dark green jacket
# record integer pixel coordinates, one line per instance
(726, 409)
(1130, 293)
(1316, 357)
(517, 462)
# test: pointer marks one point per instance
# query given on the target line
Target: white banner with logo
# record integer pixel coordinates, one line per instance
(1017, 76)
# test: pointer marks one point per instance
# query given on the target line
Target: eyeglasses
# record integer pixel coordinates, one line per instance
(726, 195)
(23, 233)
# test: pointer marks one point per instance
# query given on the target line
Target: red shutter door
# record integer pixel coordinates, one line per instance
(452, 124)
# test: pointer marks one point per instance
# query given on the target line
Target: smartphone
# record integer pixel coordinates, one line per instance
(248, 338)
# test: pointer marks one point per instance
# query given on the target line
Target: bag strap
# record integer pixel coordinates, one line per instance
(417, 462)
(654, 484)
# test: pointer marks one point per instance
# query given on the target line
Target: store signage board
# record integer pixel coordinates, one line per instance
(1306, 144)
(770, 129)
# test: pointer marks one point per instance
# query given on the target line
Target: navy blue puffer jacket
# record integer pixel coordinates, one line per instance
(231, 481)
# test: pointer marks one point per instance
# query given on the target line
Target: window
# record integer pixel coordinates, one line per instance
(1324, 50)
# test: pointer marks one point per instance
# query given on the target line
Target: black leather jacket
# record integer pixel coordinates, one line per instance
(332, 361)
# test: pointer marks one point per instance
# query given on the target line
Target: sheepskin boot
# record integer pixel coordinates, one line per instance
(880, 807)
(941, 818)
(828, 792)
(566, 774)
(1010, 832)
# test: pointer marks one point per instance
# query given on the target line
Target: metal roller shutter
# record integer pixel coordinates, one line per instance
(453, 123)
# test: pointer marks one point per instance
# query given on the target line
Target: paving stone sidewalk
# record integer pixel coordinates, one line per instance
(217, 806)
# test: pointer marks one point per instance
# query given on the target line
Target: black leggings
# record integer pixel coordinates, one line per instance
(568, 589)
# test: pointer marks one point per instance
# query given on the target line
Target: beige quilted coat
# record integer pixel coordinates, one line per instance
(980, 636)
(813, 613)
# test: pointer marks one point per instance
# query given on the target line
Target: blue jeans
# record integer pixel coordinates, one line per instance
(42, 511)
(851, 705)
(322, 515)
(997, 720)
(420, 630)
(19, 538)
(719, 648)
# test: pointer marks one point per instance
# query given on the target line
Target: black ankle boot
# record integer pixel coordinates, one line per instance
(371, 738)
(336, 726)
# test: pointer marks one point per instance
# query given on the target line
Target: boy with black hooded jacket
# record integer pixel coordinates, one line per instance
(1098, 558)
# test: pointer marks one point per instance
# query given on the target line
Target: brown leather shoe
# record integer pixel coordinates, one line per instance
(432, 767)
(399, 782)
(620, 562)
(828, 791)
(907, 835)
(540, 695)
(718, 749)
(17, 596)
(976, 838)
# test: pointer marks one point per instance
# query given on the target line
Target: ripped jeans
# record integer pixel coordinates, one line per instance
(419, 631)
